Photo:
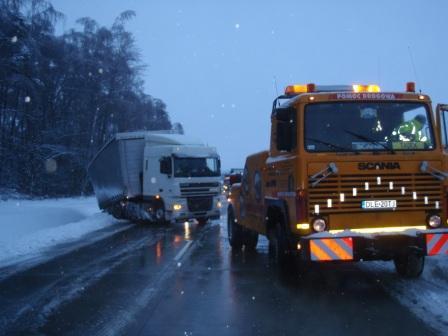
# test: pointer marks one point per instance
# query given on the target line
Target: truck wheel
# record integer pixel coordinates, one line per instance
(234, 231)
(159, 215)
(410, 265)
(278, 249)
(250, 240)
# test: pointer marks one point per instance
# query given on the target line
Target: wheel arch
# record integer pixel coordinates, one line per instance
(276, 212)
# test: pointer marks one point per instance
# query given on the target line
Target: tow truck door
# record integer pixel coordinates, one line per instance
(442, 122)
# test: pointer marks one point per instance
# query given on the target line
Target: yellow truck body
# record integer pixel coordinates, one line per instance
(327, 191)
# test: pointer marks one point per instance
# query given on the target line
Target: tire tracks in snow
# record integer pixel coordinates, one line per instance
(48, 286)
(426, 297)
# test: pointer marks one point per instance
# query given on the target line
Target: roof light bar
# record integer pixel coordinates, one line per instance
(366, 88)
(296, 89)
(307, 88)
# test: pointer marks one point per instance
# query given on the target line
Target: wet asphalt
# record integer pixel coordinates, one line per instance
(185, 280)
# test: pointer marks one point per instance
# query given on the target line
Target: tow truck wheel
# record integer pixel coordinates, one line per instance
(278, 247)
(250, 240)
(234, 231)
(409, 265)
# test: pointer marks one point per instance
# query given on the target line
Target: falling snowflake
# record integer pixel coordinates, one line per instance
(233, 105)
(100, 70)
(223, 105)
(179, 264)
(212, 116)
(182, 293)
(253, 298)
(27, 99)
(14, 39)
(237, 26)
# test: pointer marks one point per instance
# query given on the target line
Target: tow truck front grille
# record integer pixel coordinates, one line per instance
(199, 189)
(344, 193)
(196, 204)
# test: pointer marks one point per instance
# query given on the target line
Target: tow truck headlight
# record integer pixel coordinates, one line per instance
(177, 207)
(319, 225)
(434, 221)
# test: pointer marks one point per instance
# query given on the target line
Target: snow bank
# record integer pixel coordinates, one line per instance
(28, 228)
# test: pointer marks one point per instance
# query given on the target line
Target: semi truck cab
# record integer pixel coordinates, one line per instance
(187, 178)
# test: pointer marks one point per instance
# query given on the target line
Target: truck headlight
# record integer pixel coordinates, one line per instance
(319, 225)
(177, 207)
(434, 221)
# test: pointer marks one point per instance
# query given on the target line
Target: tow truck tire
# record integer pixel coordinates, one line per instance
(278, 249)
(235, 231)
(250, 240)
(409, 265)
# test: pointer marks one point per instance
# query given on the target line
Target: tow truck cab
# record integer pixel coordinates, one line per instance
(352, 174)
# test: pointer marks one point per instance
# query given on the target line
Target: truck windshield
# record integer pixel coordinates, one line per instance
(196, 167)
(357, 127)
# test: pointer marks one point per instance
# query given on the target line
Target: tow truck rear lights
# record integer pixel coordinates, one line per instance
(366, 88)
(410, 87)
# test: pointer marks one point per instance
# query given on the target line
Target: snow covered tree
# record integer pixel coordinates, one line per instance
(63, 97)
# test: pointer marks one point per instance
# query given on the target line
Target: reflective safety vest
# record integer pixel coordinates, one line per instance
(410, 131)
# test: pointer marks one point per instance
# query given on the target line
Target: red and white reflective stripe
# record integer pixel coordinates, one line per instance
(331, 249)
(437, 243)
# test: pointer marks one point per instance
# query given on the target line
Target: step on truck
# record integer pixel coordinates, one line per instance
(157, 177)
(352, 174)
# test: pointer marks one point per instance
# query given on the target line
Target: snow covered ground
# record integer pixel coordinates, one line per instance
(426, 297)
(29, 228)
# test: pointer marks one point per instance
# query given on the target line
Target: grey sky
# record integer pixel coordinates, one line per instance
(214, 62)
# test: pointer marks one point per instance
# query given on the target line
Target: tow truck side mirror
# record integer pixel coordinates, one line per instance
(442, 123)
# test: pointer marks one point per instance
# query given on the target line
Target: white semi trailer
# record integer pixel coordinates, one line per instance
(157, 177)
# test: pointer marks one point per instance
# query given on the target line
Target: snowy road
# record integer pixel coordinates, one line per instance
(185, 280)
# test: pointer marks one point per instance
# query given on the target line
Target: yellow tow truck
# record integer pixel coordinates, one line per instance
(352, 173)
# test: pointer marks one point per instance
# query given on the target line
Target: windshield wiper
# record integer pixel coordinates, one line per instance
(365, 138)
(336, 147)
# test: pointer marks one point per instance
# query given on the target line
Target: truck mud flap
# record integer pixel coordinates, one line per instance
(436, 243)
(331, 249)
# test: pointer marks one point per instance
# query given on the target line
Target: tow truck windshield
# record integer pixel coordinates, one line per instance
(356, 127)
(196, 167)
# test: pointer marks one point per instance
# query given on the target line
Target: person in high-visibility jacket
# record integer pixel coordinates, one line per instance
(411, 130)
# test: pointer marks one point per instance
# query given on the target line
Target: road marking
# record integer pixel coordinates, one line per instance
(182, 251)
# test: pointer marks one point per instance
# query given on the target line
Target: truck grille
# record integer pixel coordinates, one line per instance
(199, 203)
(411, 191)
(199, 189)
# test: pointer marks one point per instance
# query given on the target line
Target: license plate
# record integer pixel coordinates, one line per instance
(379, 204)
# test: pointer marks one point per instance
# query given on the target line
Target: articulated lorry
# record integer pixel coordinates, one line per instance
(157, 177)
(352, 174)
